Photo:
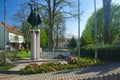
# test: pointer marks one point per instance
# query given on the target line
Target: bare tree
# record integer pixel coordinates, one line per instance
(49, 11)
(59, 28)
(21, 16)
(26, 33)
(52, 8)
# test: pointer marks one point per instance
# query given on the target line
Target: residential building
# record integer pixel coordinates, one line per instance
(65, 43)
(13, 37)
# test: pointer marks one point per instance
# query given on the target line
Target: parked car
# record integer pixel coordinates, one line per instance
(10, 48)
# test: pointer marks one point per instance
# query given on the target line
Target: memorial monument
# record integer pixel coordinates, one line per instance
(34, 20)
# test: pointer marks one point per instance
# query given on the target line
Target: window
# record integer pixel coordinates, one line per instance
(16, 38)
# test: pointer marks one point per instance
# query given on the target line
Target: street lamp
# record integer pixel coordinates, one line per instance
(4, 54)
(95, 21)
(79, 32)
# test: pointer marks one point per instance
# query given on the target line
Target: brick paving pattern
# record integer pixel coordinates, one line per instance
(78, 74)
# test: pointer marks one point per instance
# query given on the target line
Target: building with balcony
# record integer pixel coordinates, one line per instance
(13, 37)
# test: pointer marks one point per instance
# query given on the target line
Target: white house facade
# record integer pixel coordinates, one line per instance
(13, 37)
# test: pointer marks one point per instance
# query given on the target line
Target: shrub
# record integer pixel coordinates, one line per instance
(88, 62)
(22, 49)
(43, 68)
(73, 66)
(83, 61)
(105, 52)
(72, 60)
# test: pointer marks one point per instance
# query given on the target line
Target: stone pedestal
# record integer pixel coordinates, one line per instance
(35, 44)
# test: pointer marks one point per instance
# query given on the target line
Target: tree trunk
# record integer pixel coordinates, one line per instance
(51, 40)
(106, 10)
(57, 38)
(27, 48)
(57, 42)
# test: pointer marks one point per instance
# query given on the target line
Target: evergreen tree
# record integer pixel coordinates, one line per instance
(72, 43)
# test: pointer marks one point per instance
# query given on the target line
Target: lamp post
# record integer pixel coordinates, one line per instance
(4, 54)
(95, 21)
(79, 32)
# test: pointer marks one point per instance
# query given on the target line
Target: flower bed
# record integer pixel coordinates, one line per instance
(46, 67)
(54, 66)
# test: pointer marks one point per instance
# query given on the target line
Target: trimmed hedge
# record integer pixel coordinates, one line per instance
(105, 52)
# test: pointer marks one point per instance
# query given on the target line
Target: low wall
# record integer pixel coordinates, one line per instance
(53, 54)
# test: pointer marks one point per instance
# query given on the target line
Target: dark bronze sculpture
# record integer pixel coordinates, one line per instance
(34, 18)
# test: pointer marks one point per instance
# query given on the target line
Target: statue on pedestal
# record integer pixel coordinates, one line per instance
(34, 18)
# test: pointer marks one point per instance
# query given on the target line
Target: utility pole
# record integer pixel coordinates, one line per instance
(95, 21)
(4, 54)
(79, 32)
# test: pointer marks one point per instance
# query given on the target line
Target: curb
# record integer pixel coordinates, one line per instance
(7, 77)
(10, 72)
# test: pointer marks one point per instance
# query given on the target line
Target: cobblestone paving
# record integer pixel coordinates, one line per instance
(7, 77)
(73, 74)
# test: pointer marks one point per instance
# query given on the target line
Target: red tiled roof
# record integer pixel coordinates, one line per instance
(10, 29)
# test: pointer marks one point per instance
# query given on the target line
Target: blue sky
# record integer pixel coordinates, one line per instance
(11, 8)
(87, 6)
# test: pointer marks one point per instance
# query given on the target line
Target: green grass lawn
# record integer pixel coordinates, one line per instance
(23, 54)
(13, 56)
(6, 67)
(18, 55)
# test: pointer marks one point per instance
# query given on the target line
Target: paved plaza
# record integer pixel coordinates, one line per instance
(76, 74)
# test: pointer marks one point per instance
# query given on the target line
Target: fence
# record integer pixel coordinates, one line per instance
(53, 54)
